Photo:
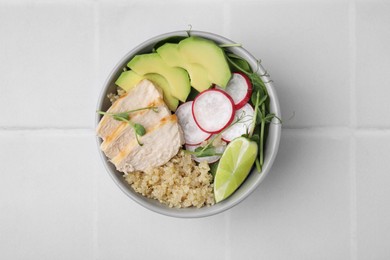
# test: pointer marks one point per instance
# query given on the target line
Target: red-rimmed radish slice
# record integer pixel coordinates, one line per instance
(213, 110)
(210, 159)
(240, 89)
(193, 135)
(245, 114)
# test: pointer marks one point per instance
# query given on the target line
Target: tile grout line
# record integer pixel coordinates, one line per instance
(352, 63)
(95, 238)
(46, 130)
(47, 2)
(353, 124)
(330, 130)
(337, 131)
(353, 197)
(313, 129)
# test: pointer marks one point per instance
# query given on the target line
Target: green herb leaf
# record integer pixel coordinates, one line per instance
(254, 97)
(213, 168)
(205, 151)
(198, 149)
(139, 129)
(255, 138)
(263, 99)
(245, 135)
(262, 129)
(258, 116)
(236, 65)
(125, 117)
(239, 63)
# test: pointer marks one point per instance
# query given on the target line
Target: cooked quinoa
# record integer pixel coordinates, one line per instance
(114, 96)
(180, 183)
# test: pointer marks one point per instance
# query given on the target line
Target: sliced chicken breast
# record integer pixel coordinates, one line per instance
(163, 137)
(118, 139)
(143, 95)
(160, 144)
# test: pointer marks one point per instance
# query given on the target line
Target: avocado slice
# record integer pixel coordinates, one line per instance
(209, 55)
(170, 53)
(161, 82)
(177, 78)
(129, 79)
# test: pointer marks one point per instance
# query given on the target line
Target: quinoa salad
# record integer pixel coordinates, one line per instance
(187, 123)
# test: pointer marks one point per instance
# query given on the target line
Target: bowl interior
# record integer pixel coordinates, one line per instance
(253, 180)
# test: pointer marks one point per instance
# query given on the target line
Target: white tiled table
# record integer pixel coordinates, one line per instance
(327, 197)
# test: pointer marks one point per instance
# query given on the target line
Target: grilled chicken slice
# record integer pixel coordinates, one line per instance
(162, 139)
(160, 144)
(143, 95)
(119, 138)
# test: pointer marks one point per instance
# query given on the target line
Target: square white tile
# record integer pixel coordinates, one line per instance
(48, 65)
(302, 209)
(128, 230)
(372, 63)
(304, 45)
(373, 195)
(47, 195)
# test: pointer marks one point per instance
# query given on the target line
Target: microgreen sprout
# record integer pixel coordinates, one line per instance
(260, 101)
(139, 129)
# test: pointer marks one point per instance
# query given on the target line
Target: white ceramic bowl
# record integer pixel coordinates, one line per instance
(254, 178)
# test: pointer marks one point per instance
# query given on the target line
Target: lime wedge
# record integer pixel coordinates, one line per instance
(234, 166)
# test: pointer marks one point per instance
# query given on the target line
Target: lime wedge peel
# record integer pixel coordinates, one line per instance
(234, 166)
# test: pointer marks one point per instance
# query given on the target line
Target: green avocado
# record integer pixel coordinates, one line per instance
(129, 79)
(170, 53)
(209, 55)
(161, 82)
(177, 78)
(193, 61)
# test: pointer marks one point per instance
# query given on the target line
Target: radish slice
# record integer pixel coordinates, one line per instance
(193, 135)
(246, 114)
(213, 110)
(210, 159)
(240, 89)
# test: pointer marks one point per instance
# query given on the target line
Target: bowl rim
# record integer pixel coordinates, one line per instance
(273, 139)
